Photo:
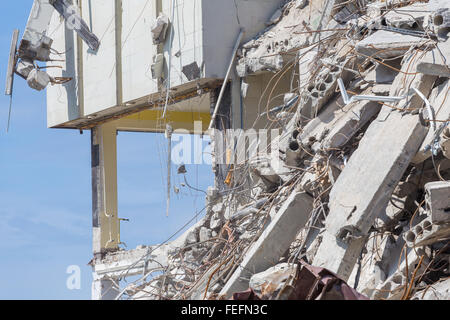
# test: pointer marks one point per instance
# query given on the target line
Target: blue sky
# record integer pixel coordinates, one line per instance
(45, 190)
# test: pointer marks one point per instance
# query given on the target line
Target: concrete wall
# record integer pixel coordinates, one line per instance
(99, 69)
(220, 19)
(187, 37)
(254, 106)
(62, 99)
(137, 49)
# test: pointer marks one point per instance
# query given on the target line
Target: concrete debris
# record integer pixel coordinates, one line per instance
(38, 79)
(191, 71)
(36, 43)
(24, 67)
(269, 282)
(294, 282)
(157, 66)
(407, 17)
(436, 61)
(159, 28)
(437, 291)
(441, 110)
(441, 21)
(273, 242)
(354, 192)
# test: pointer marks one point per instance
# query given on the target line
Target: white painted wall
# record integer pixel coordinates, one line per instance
(187, 37)
(99, 69)
(62, 100)
(137, 49)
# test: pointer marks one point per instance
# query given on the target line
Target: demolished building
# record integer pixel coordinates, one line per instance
(330, 143)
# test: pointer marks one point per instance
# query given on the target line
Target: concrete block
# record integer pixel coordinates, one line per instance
(319, 92)
(273, 242)
(215, 221)
(192, 237)
(293, 153)
(426, 233)
(441, 21)
(436, 61)
(437, 199)
(38, 80)
(24, 67)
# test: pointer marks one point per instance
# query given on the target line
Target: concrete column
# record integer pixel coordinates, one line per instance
(105, 222)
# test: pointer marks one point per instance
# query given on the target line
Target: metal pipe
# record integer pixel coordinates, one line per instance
(169, 131)
(222, 90)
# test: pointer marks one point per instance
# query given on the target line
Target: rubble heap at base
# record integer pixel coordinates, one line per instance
(361, 196)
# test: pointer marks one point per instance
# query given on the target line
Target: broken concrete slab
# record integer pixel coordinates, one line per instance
(356, 115)
(393, 287)
(132, 262)
(272, 243)
(408, 17)
(436, 291)
(385, 44)
(365, 185)
(436, 61)
(270, 51)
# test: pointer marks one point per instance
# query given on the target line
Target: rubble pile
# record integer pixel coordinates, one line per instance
(362, 195)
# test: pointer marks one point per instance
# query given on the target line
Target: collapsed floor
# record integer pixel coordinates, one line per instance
(357, 204)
